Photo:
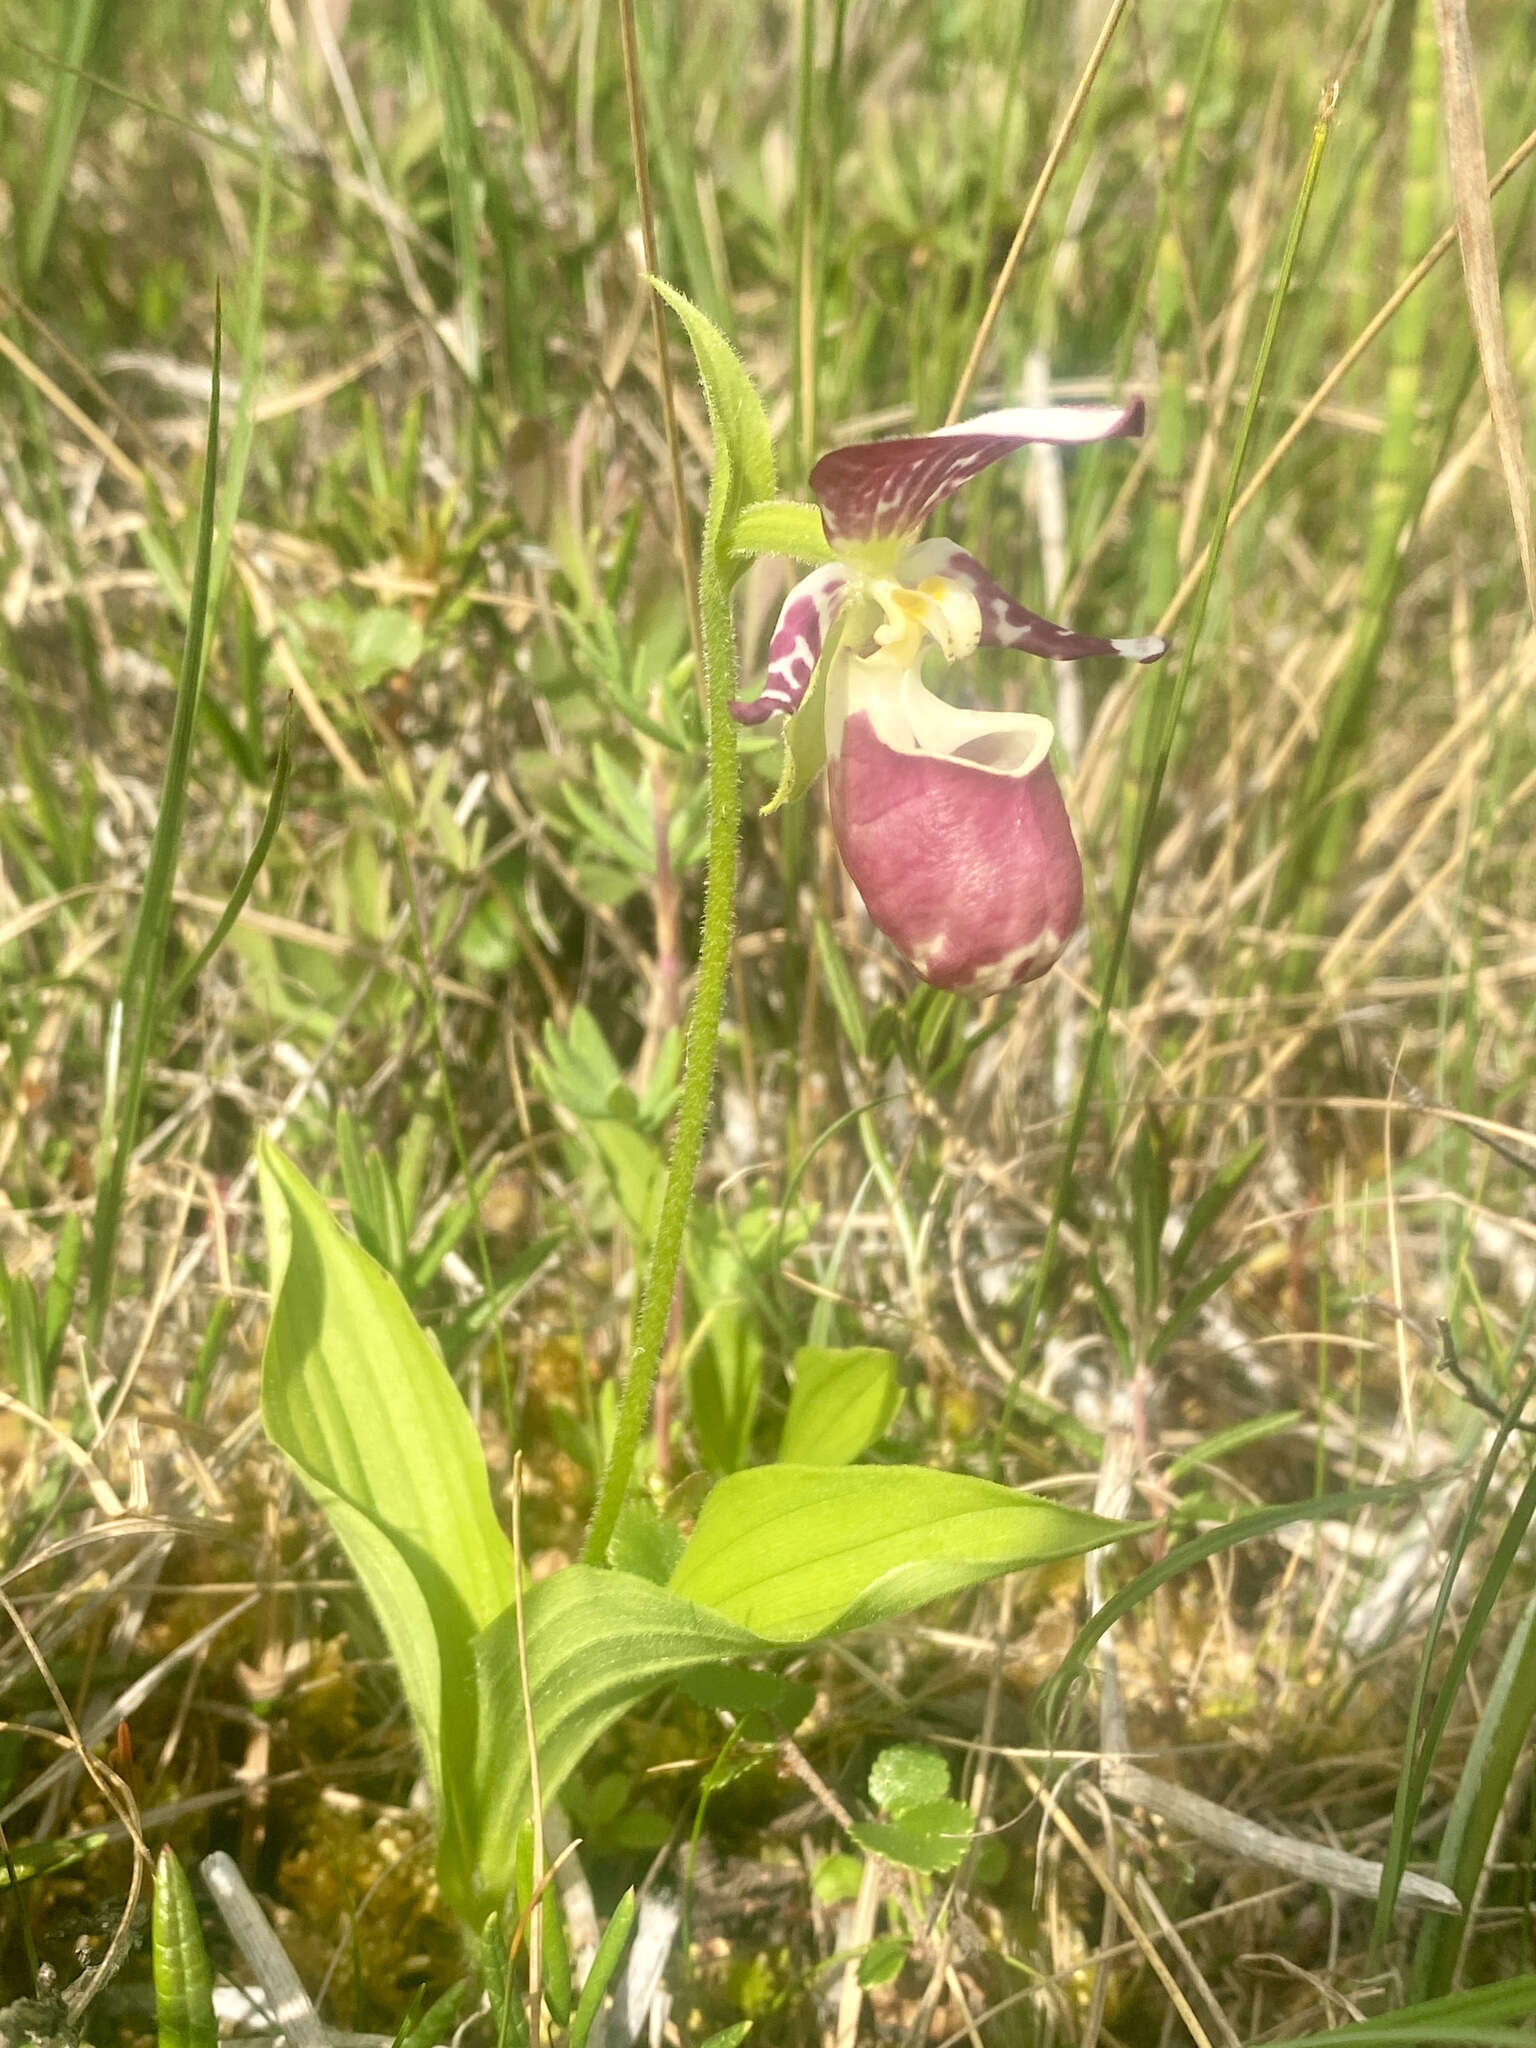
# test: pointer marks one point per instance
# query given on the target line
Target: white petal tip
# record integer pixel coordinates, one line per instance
(1151, 647)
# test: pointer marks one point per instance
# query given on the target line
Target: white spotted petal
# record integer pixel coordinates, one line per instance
(1007, 623)
(793, 652)
(874, 492)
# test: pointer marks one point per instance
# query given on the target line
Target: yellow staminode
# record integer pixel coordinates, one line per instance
(938, 609)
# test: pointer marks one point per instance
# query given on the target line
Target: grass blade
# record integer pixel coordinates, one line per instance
(137, 1008)
(440, 52)
(80, 32)
(1244, 1528)
(1322, 815)
(604, 1963)
(1166, 737)
(1480, 265)
(1481, 1791)
(1421, 1750)
(255, 861)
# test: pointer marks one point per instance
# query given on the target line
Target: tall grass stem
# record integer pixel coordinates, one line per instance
(137, 1008)
(1323, 813)
(1031, 214)
(1143, 844)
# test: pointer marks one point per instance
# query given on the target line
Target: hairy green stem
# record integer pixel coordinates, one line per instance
(698, 1063)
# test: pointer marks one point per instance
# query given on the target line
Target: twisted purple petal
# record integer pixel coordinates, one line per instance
(1007, 623)
(881, 490)
(795, 648)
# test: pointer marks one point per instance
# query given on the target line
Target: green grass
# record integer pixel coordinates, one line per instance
(439, 923)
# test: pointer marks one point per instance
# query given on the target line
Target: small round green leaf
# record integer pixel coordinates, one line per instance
(908, 1774)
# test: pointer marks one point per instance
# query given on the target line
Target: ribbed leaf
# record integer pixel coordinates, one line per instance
(183, 1978)
(598, 1642)
(357, 1399)
(841, 1403)
(796, 1551)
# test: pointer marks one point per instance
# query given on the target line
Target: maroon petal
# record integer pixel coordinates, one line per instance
(884, 490)
(1005, 622)
(953, 827)
(795, 648)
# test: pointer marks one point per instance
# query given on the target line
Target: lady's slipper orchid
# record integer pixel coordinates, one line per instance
(950, 822)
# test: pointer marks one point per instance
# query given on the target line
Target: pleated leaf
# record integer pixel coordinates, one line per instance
(796, 1551)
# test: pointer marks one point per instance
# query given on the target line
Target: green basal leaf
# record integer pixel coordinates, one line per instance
(598, 1642)
(184, 2015)
(341, 1332)
(779, 526)
(796, 1551)
(364, 1409)
(842, 1402)
(645, 1544)
(805, 733)
(744, 468)
(926, 1838)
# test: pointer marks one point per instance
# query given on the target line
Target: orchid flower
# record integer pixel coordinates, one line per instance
(950, 822)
